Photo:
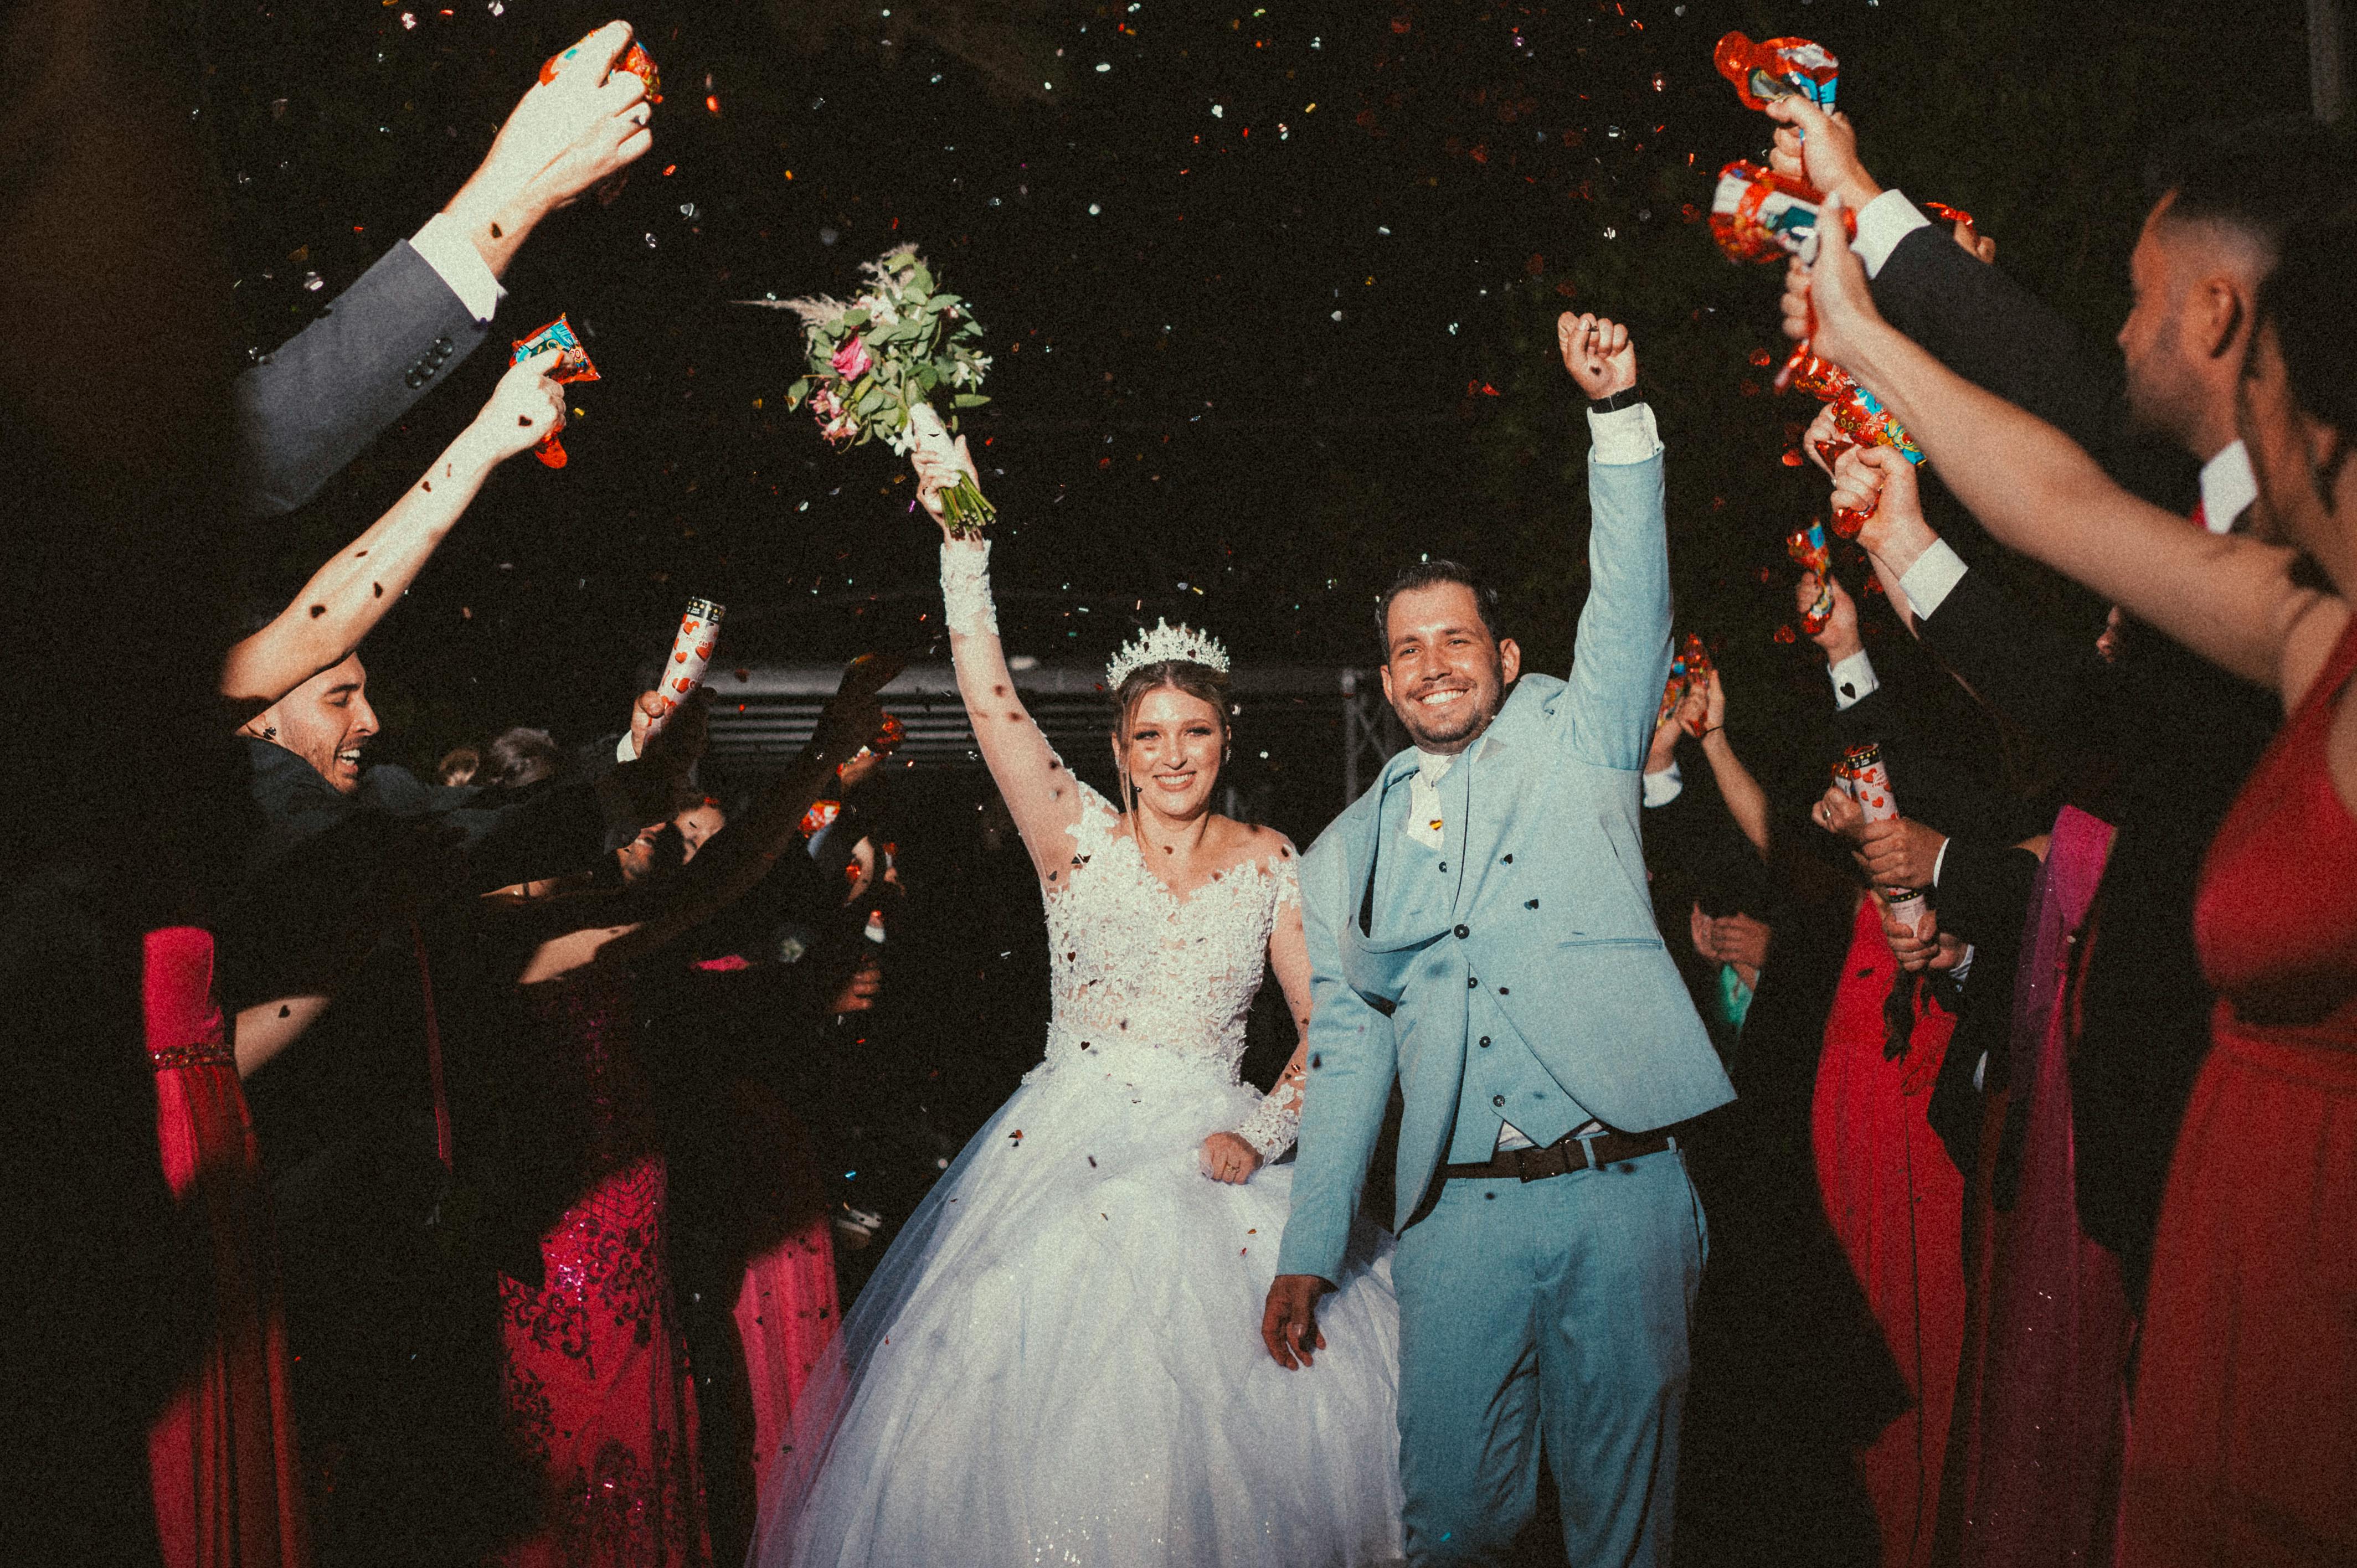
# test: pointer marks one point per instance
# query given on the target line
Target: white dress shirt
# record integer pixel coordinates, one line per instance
(450, 253)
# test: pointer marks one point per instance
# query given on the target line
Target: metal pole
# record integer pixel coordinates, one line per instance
(2328, 88)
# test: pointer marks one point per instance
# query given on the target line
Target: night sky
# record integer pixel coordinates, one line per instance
(1270, 291)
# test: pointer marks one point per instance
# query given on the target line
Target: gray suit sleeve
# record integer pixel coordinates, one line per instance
(1621, 657)
(317, 403)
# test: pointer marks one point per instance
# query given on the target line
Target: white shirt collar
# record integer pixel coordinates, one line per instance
(2228, 487)
(1434, 765)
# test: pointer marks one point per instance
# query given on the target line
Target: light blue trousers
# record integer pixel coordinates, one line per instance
(1555, 1309)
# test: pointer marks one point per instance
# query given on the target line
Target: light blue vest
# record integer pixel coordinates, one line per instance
(1504, 1079)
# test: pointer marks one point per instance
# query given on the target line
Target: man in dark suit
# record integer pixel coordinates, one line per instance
(396, 1197)
(2159, 740)
(316, 402)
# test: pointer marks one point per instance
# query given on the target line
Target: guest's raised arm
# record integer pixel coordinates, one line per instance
(346, 597)
(315, 402)
(2231, 599)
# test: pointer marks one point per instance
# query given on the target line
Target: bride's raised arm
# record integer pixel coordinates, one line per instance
(1042, 793)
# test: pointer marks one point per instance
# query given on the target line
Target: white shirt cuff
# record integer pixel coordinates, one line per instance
(1940, 860)
(1664, 787)
(1881, 224)
(1928, 583)
(1963, 969)
(1854, 679)
(449, 252)
(623, 750)
(1625, 435)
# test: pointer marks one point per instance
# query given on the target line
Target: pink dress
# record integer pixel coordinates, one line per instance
(222, 1453)
(786, 1316)
(598, 1396)
(2042, 1481)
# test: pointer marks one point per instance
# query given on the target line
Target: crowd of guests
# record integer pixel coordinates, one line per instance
(382, 1137)
(374, 1131)
(2031, 1220)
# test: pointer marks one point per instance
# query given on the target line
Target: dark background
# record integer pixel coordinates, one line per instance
(1292, 347)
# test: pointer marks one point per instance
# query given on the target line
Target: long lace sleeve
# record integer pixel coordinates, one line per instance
(1042, 794)
(1276, 1122)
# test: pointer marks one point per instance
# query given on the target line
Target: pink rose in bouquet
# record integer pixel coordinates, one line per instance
(852, 359)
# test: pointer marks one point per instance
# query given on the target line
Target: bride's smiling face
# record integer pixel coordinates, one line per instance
(1171, 751)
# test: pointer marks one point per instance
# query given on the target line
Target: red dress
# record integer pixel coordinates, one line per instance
(596, 1394)
(1896, 1201)
(2245, 1446)
(222, 1453)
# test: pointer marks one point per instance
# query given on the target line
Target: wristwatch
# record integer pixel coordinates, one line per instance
(1627, 397)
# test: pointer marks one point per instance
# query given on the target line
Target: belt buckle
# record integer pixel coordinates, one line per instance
(1534, 1164)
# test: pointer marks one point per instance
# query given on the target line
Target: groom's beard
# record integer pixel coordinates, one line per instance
(1457, 724)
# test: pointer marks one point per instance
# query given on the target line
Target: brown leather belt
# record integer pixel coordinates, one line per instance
(1564, 1155)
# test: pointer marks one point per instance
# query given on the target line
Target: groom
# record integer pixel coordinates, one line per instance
(1480, 930)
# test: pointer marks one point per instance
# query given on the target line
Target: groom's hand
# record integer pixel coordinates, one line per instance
(1598, 353)
(1289, 1327)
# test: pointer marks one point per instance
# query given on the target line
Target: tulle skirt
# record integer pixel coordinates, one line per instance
(1060, 1360)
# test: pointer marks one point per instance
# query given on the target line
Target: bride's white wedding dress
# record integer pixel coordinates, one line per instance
(1059, 1361)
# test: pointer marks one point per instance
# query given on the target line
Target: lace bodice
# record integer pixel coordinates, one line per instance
(1144, 979)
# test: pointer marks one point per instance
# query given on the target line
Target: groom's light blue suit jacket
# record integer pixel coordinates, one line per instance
(1532, 925)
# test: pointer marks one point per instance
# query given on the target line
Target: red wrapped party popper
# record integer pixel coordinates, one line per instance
(1778, 68)
(1809, 551)
(574, 366)
(635, 60)
(1758, 215)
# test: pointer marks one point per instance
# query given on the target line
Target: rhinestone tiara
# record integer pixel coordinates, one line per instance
(1165, 642)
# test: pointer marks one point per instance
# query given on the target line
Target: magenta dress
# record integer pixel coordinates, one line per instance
(597, 1396)
(220, 1455)
(2042, 1481)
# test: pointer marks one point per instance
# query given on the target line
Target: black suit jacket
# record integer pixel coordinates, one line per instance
(316, 402)
(2158, 745)
(1989, 329)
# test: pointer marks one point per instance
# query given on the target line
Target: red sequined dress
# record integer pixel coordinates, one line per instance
(2244, 1444)
(598, 1396)
(1896, 1201)
(220, 1455)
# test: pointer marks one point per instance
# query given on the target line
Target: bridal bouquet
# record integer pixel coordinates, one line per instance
(878, 363)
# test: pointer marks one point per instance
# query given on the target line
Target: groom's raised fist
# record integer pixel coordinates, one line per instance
(1598, 353)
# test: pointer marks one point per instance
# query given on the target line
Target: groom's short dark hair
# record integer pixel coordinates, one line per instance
(1424, 574)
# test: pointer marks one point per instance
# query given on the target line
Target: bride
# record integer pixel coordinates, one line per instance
(1055, 1362)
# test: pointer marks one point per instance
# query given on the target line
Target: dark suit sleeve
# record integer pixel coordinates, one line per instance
(551, 831)
(2018, 664)
(1983, 892)
(1994, 333)
(316, 403)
